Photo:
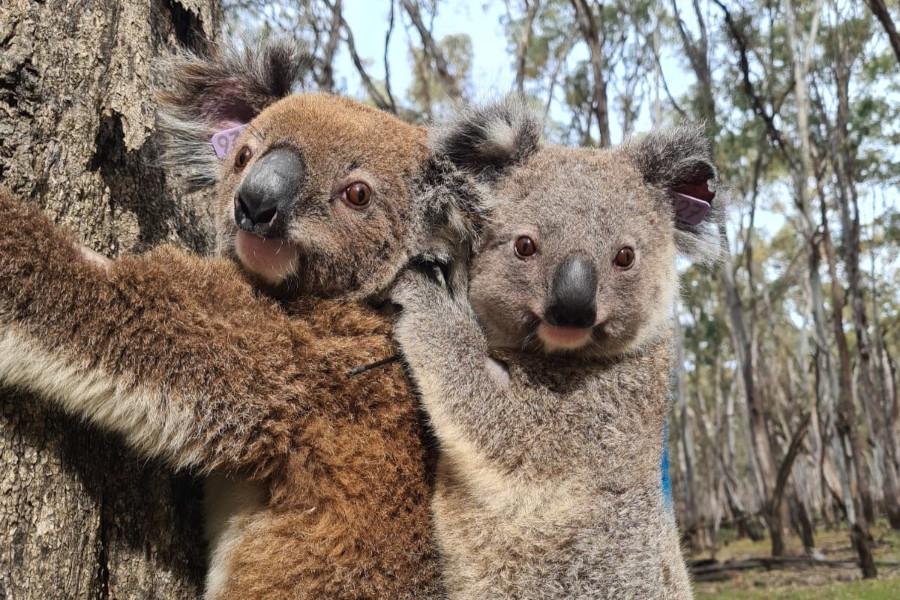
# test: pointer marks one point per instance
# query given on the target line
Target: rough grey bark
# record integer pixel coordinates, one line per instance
(81, 516)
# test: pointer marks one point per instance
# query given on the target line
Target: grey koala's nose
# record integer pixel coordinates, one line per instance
(270, 187)
(573, 297)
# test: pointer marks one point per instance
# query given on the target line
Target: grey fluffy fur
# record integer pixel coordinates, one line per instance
(211, 94)
(548, 485)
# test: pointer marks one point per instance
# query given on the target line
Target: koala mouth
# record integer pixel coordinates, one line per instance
(557, 338)
(272, 260)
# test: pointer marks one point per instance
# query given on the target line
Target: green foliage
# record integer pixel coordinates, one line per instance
(427, 92)
(887, 589)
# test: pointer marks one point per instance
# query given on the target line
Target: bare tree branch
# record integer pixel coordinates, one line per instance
(524, 39)
(790, 456)
(758, 105)
(563, 53)
(387, 67)
(326, 79)
(698, 54)
(662, 78)
(374, 93)
(881, 13)
(432, 50)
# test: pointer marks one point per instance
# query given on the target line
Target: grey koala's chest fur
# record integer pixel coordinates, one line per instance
(548, 484)
(555, 490)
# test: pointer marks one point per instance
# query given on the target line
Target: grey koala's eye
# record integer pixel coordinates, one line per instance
(624, 258)
(525, 247)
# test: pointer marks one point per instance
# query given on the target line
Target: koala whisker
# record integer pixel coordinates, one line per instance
(531, 336)
(374, 365)
(256, 133)
(291, 284)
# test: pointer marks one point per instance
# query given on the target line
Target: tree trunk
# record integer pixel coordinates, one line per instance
(81, 516)
(846, 426)
(523, 41)
(687, 457)
(746, 350)
(588, 26)
(859, 502)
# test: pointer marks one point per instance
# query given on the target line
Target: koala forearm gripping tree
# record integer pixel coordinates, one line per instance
(546, 378)
(237, 367)
(81, 516)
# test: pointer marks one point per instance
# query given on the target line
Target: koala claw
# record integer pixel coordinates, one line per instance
(94, 257)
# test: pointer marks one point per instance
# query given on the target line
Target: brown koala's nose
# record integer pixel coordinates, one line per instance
(573, 297)
(270, 187)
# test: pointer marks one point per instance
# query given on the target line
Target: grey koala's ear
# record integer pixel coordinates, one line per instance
(677, 161)
(486, 140)
(226, 89)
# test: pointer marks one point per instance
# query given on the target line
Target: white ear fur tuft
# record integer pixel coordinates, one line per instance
(484, 141)
(500, 139)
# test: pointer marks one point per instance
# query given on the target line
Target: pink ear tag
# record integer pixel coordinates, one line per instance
(223, 142)
(688, 209)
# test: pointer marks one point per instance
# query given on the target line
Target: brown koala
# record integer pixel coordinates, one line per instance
(546, 380)
(237, 367)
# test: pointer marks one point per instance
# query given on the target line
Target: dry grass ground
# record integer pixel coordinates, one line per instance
(805, 581)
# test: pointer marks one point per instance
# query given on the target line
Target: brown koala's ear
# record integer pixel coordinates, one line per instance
(486, 140)
(227, 89)
(677, 162)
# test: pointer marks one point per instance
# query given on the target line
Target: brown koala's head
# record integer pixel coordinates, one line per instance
(579, 247)
(315, 194)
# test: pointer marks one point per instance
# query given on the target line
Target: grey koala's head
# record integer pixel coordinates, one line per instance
(318, 195)
(578, 250)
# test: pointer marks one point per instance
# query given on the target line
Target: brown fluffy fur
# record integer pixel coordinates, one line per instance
(339, 460)
(318, 480)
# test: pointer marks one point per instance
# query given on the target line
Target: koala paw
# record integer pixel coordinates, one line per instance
(419, 284)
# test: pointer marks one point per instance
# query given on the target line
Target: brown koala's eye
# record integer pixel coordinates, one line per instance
(625, 258)
(525, 247)
(243, 157)
(358, 194)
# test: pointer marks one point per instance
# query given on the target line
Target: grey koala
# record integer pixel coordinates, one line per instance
(546, 383)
